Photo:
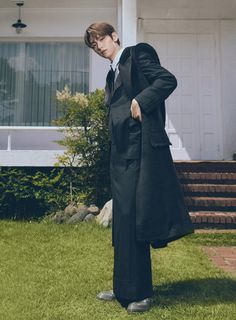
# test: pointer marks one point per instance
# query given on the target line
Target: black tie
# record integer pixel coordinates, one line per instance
(112, 77)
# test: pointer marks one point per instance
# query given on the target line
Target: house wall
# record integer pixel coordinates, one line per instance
(187, 9)
(49, 20)
(62, 24)
(66, 20)
(223, 13)
(228, 86)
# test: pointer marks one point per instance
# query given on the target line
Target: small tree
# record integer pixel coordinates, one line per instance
(87, 143)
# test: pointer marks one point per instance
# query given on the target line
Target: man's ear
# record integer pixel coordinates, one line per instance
(114, 36)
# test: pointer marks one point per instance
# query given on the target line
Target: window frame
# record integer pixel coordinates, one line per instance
(45, 40)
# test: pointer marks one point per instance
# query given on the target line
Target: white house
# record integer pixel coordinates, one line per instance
(195, 39)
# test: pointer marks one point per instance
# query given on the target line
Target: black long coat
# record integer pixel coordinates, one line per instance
(161, 214)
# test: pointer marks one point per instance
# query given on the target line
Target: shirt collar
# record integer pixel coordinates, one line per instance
(117, 59)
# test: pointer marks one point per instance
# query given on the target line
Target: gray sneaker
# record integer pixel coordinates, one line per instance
(106, 295)
(140, 306)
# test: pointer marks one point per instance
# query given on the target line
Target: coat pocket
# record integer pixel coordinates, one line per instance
(159, 138)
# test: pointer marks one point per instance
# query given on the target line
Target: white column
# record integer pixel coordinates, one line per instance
(9, 141)
(127, 22)
(140, 30)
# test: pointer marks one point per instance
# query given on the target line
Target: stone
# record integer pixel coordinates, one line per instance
(93, 209)
(77, 213)
(81, 208)
(89, 217)
(70, 210)
(82, 211)
(105, 216)
(59, 217)
(76, 218)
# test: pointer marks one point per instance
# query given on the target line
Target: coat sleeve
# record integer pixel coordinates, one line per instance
(161, 82)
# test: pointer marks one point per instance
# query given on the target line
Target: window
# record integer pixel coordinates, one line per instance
(30, 74)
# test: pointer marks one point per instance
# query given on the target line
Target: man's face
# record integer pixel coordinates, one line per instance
(106, 46)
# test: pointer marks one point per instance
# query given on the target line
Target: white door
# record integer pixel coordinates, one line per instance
(193, 123)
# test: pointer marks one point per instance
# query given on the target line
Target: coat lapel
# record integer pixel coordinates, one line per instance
(108, 89)
(117, 83)
(124, 77)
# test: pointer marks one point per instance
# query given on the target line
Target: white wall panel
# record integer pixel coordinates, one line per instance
(193, 110)
(228, 84)
(54, 22)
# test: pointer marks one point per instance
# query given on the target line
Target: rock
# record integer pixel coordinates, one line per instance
(93, 209)
(70, 210)
(89, 217)
(76, 218)
(78, 212)
(59, 217)
(105, 216)
(81, 208)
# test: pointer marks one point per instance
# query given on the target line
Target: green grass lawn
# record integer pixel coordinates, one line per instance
(54, 272)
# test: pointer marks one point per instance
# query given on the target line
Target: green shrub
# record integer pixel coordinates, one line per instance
(31, 192)
(87, 143)
(82, 172)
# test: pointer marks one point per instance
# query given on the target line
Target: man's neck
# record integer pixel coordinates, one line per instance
(115, 53)
(116, 58)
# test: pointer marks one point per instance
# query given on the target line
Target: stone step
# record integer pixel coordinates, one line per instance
(211, 203)
(226, 190)
(213, 218)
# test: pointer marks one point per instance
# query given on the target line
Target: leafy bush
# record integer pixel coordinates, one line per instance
(30, 192)
(81, 174)
(87, 142)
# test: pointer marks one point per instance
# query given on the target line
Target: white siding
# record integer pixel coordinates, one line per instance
(49, 20)
(228, 85)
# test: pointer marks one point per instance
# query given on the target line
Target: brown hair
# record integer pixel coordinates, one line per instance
(98, 29)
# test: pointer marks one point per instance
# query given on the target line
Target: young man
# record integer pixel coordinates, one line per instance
(148, 205)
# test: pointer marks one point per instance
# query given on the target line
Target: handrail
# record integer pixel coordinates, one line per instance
(11, 129)
(30, 128)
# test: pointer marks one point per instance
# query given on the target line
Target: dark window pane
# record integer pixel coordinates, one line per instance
(30, 74)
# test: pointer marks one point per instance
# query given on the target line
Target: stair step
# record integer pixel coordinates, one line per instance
(206, 166)
(197, 203)
(213, 217)
(216, 189)
(211, 201)
(208, 176)
(210, 191)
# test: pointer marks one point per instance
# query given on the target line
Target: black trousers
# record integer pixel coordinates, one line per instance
(132, 277)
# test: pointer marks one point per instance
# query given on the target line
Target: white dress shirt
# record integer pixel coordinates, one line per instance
(115, 62)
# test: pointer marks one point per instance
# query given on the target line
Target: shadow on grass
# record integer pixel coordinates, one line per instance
(203, 291)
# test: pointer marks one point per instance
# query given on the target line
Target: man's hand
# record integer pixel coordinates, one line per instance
(135, 110)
